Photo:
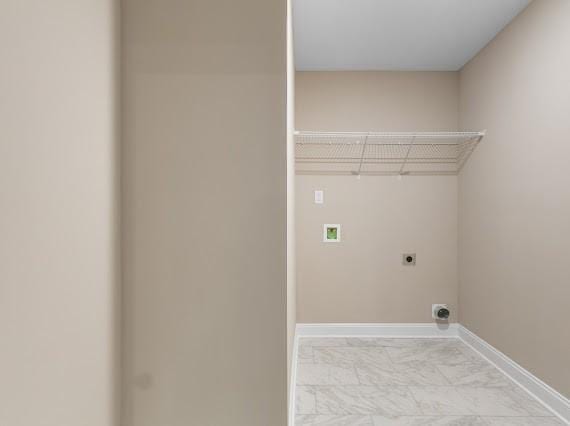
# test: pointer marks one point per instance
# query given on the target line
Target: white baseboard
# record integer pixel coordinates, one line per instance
(378, 330)
(547, 396)
(550, 398)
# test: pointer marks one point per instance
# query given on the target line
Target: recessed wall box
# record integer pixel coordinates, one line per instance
(331, 233)
(440, 312)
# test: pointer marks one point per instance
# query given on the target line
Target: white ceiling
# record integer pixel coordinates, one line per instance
(439, 35)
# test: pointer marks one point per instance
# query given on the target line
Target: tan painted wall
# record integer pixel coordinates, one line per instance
(362, 279)
(376, 101)
(205, 212)
(58, 213)
(515, 193)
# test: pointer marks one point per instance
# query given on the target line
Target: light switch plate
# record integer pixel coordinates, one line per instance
(319, 196)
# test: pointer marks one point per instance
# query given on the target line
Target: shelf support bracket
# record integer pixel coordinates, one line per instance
(362, 155)
(401, 172)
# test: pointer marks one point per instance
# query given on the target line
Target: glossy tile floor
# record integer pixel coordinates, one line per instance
(372, 382)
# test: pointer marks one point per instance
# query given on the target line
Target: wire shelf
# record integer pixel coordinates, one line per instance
(380, 153)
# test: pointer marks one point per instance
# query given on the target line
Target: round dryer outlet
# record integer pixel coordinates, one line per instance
(440, 312)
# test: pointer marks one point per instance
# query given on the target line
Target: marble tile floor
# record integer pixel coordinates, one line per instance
(406, 382)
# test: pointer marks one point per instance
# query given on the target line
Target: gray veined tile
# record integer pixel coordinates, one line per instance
(464, 400)
(345, 381)
(402, 374)
(322, 341)
(305, 354)
(351, 355)
(382, 342)
(365, 341)
(492, 401)
(402, 342)
(522, 421)
(325, 374)
(305, 400)
(441, 400)
(428, 351)
(470, 353)
(428, 420)
(450, 342)
(320, 420)
(371, 400)
(464, 355)
(479, 374)
(531, 406)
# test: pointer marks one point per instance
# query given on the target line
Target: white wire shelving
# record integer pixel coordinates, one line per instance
(382, 153)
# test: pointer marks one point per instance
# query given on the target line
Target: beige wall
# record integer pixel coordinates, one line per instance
(205, 212)
(58, 213)
(362, 279)
(515, 199)
(376, 101)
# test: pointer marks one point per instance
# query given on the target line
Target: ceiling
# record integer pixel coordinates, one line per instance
(436, 35)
